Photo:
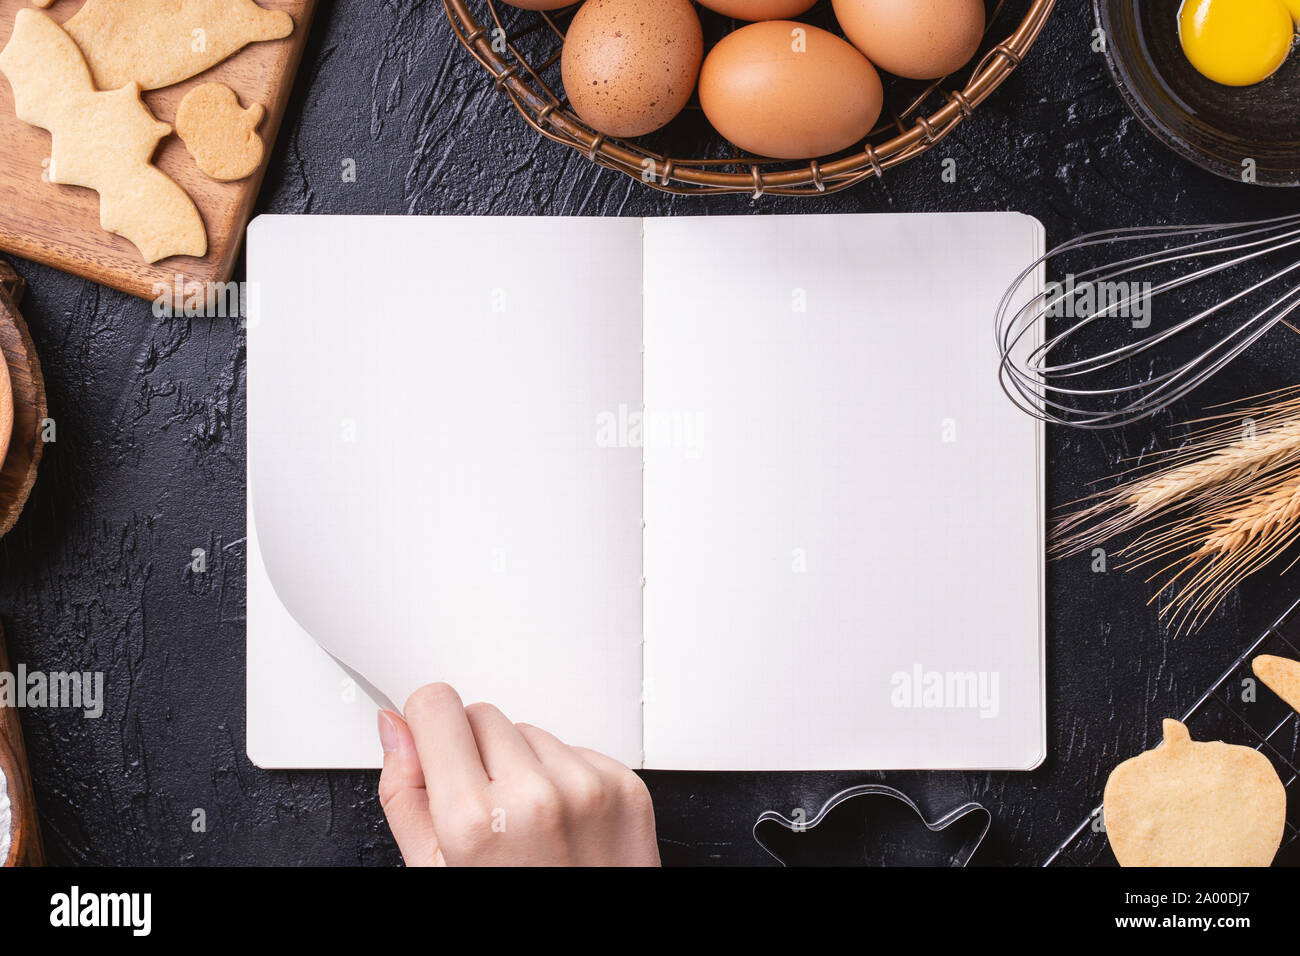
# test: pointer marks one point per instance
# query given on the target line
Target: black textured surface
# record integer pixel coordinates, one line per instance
(149, 465)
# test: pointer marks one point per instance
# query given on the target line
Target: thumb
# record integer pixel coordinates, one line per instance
(403, 796)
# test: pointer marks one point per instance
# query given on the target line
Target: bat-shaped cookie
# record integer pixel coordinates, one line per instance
(103, 141)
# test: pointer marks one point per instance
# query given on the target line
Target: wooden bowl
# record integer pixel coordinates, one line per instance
(17, 809)
(25, 848)
(22, 403)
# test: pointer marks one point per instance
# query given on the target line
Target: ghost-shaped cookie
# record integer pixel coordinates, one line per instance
(221, 136)
(160, 42)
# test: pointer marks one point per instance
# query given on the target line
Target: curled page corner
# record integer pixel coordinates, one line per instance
(429, 495)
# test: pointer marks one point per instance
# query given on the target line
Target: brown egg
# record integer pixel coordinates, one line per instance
(629, 66)
(789, 90)
(540, 4)
(759, 9)
(917, 39)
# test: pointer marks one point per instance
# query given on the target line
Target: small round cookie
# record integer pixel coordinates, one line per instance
(220, 135)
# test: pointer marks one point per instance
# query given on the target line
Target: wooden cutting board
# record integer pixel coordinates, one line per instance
(59, 225)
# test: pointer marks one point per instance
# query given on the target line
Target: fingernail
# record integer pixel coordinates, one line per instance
(388, 734)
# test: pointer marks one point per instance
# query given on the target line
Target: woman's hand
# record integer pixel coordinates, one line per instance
(463, 786)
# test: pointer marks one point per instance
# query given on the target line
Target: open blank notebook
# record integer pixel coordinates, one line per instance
(701, 493)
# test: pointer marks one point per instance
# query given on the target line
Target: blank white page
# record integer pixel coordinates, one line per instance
(844, 522)
(428, 495)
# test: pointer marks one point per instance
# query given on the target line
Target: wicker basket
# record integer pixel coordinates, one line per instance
(521, 50)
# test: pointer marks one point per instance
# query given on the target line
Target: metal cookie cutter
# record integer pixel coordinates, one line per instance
(886, 834)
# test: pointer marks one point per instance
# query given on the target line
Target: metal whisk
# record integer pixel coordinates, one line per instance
(1099, 349)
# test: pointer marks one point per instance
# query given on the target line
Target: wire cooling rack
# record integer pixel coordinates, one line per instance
(1238, 709)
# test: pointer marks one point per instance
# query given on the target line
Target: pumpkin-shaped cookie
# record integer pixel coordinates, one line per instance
(1191, 803)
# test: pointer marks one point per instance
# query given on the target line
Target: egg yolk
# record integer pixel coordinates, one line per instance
(1237, 42)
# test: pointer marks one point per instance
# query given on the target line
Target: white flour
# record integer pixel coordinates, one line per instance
(6, 819)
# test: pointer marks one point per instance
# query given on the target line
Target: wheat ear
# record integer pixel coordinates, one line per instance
(1211, 514)
(1242, 459)
(1229, 462)
(1265, 514)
